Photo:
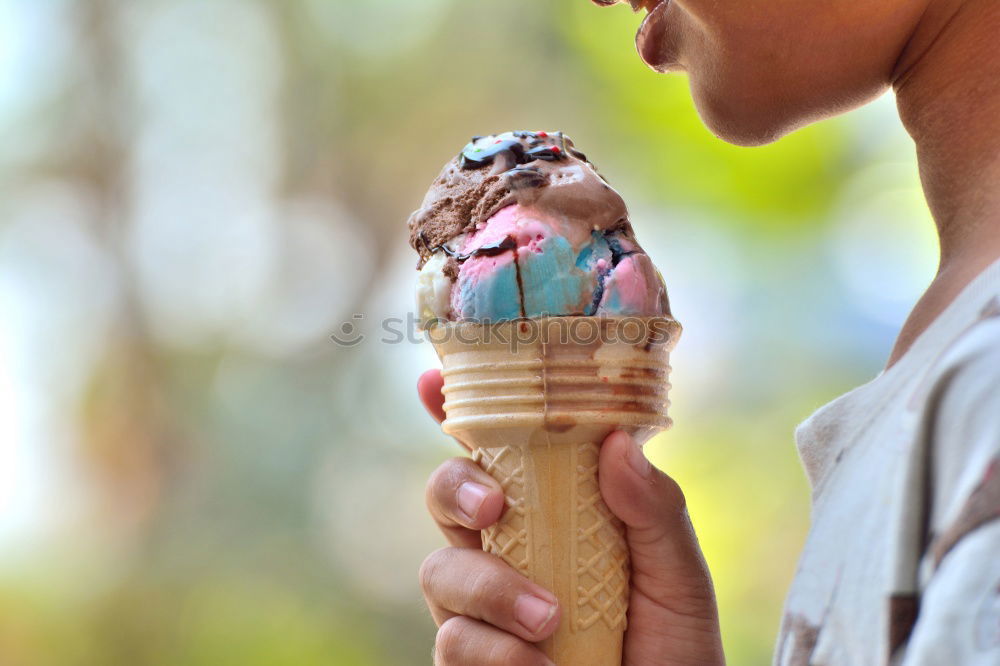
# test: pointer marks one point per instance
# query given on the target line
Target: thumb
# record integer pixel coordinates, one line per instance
(667, 564)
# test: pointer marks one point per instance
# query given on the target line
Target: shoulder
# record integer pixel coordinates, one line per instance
(963, 387)
(972, 356)
(961, 416)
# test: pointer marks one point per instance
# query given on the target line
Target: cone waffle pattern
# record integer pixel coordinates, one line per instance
(600, 556)
(535, 417)
(509, 537)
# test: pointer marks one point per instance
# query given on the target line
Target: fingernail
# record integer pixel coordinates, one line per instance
(471, 497)
(637, 459)
(533, 613)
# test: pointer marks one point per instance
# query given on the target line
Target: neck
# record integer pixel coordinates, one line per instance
(947, 87)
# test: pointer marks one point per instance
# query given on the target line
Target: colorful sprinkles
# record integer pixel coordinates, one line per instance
(541, 146)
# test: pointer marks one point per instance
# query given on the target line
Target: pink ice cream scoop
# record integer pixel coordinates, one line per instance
(521, 225)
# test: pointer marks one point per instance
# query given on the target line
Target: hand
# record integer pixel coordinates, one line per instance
(488, 613)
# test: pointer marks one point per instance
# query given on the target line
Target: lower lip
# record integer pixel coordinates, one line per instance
(652, 52)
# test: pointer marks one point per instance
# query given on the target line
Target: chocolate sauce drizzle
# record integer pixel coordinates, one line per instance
(520, 284)
(524, 176)
(617, 254)
(501, 169)
(478, 154)
(508, 243)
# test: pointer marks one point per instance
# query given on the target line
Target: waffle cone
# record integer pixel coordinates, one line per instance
(534, 400)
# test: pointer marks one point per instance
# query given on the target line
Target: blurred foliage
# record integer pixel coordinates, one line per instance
(194, 196)
(215, 621)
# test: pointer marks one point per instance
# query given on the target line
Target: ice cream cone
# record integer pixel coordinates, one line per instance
(534, 400)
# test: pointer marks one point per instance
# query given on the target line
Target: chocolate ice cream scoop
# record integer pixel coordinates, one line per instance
(521, 224)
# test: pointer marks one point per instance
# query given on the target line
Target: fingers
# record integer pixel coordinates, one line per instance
(463, 499)
(481, 586)
(673, 603)
(429, 387)
(462, 641)
(662, 541)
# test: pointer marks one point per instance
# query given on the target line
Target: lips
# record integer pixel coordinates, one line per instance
(651, 41)
(636, 4)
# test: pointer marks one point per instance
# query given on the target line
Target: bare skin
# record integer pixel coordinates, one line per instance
(947, 85)
(758, 70)
(480, 603)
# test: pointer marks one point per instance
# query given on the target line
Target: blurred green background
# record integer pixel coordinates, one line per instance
(194, 195)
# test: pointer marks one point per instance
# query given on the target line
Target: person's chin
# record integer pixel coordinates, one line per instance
(741, 122)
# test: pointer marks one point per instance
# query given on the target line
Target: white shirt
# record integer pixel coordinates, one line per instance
(902, 562)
